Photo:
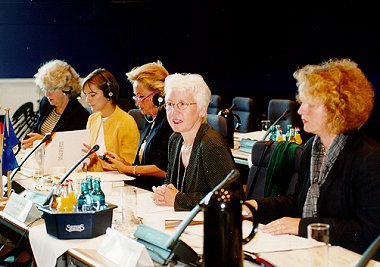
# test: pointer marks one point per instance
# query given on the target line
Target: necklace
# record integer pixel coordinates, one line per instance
(179, 173)
(147, 120)
(185, 147)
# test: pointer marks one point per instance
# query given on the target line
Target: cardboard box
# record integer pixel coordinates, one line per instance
(77, 225)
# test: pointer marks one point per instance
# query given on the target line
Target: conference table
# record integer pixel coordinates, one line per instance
(282, 250)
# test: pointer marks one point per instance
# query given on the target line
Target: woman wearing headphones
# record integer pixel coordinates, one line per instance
(59, 109)
(151, 160)
(111, 128)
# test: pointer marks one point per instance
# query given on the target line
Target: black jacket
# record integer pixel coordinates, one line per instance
(74, 117)
(349, 198)
(155, 151)
(210, 161)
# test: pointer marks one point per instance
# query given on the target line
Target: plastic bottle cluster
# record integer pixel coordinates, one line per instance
(91, 197)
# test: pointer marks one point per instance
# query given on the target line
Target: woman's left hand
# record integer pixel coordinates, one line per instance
(285, 225)
(164, 195)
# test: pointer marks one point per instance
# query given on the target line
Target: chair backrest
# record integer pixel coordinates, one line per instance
(261, 156)
(215, 104)
(277, 106)
(139, 118)
(244, 110)
(23, 120)
(218, 123)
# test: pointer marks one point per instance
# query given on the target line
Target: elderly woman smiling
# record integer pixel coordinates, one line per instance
(199, 157)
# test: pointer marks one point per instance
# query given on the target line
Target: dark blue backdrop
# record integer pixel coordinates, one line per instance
(240, 47)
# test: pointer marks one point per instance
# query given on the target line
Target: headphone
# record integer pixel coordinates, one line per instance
(158, 100)
(108, 90)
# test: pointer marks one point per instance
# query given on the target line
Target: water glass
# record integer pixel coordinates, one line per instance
(126, 219)
(38, 168)
(319, 234)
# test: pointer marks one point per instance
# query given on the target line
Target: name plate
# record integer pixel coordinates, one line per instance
(123, 250)
(21, 208)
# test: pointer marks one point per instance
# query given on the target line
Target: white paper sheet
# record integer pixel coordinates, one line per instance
(65, 148)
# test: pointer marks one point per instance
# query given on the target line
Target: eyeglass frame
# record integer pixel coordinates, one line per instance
(185, 105)
(139, 99)
(52, 90)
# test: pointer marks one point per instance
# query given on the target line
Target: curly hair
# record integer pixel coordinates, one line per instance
(151, 74)
(60, 75)
(343, 89)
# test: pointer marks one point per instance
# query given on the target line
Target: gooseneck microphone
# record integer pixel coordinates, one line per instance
(232, 176)
(46, 138)
(164, 248)
(91, 151)
(286, 112)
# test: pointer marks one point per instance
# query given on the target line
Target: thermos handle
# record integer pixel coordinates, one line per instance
(254, 221)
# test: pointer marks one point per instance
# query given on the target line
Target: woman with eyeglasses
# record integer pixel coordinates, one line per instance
(199, 157)
(151, 159)
(59, 109)
(110, 127)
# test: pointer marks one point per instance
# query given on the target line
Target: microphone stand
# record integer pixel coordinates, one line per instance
(92, 150)
(164, 247)
(46, 138)
(16, 186)
(232, 176)
(286, 112)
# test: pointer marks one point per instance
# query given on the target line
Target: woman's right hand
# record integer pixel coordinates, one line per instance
(30, 138)
(114, 162)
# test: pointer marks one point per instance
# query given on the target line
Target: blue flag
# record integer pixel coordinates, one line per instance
(10, 140)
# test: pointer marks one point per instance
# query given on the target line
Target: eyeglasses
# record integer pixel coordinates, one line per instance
(182, 105)
(50, 90)
(142, 98)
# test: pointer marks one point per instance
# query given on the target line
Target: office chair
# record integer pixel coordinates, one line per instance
(23, 120)
(215, 104)
(274, 170)
(139, 118)
(277, 106)
(218, 123)
(244, 110)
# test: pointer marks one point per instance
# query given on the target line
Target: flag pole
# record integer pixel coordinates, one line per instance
(9, 184)
(1, 178)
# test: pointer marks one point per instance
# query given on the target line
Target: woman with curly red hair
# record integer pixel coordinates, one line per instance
(339, 182)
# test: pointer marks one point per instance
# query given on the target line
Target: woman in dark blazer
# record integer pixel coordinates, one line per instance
(199, 157)
(151, 160)
(59, 109)
(339, 182)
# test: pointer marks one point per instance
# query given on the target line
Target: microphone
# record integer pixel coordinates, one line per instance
(16, 186)
(286, 112)
(164, 248)
(232, 176)
(91, 151)
(368, 254)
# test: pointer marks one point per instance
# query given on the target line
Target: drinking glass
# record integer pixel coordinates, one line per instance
(38, 168)
(126, 219)
(319, 235)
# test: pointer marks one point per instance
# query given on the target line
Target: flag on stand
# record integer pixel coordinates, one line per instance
(8, 159)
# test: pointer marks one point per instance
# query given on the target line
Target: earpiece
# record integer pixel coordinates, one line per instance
(158, 100)
(108, 93)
